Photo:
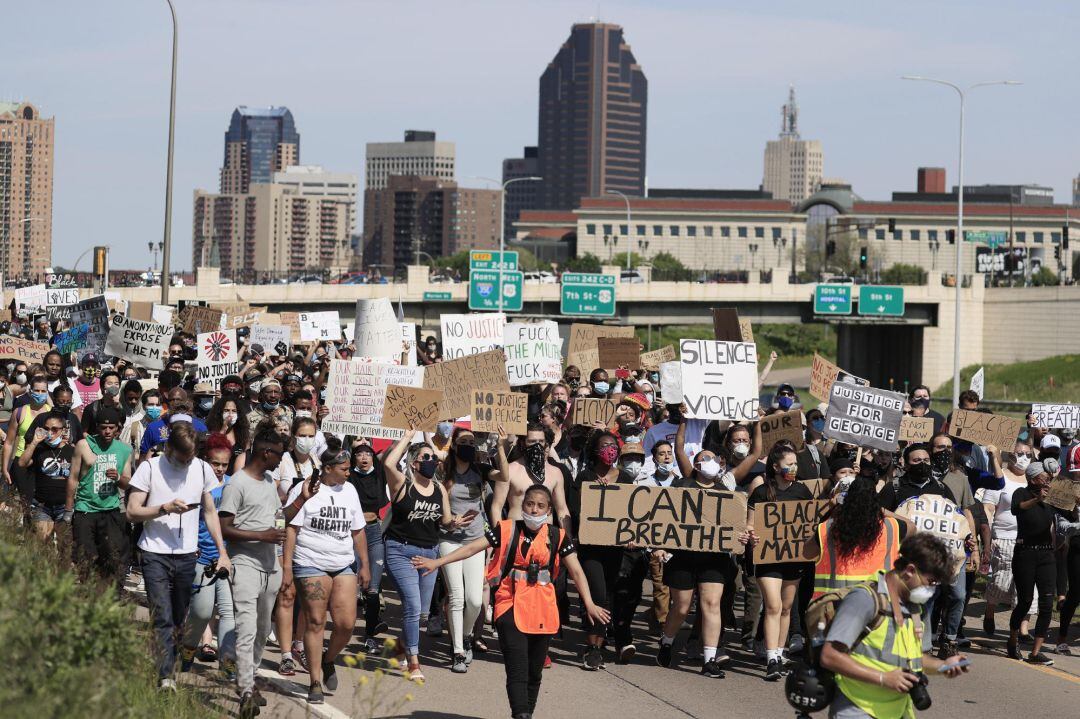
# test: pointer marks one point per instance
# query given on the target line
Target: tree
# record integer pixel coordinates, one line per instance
(846, 246)
(667, 266)
(619, 260)
(585, 263)
(904, 274)
(1045, 277)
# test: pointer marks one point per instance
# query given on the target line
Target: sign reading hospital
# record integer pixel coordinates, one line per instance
(864, 416)
(719, 379)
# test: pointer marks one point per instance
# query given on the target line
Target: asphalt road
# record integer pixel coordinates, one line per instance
(996, 687)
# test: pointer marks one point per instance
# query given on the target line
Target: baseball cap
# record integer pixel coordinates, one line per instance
(90, 359)
(1050, 441)
(257, 349)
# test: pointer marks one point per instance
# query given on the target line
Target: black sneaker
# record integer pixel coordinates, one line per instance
(947, 649)
(329, 675)
(249, 708)
(722, 659)
(1063, 648)
(988, 626)
(1027, 639)
(594, 659)
(626, 653)
(315, 695)
(663, 655)
(774, 671)
(1012, 652)
(380, 628)
(258, 697)
(1041, 659)
(712, 670)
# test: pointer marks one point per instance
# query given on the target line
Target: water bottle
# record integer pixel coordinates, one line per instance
(818, 640)
(279, 519)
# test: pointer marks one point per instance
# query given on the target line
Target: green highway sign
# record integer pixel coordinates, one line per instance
(483, 294)
(436, 297)
(832, 300)
(993, 239)
(489, 260)
(588, 295)
(881, 301)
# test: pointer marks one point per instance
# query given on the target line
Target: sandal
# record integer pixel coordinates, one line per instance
(479, 646)
(416, 675)
(207, 653)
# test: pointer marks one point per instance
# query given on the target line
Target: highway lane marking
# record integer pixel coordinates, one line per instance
(1050, 671)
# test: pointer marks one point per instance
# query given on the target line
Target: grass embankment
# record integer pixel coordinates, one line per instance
(71, 649)
(796, 344)
(1054, 379)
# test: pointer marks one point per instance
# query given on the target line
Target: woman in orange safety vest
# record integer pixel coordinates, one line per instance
(529, 554)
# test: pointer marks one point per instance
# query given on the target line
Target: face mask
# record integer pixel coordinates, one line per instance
(39, 397)
(205, 405)
(789, 473)
(304, 445)
(303, 413)
(608, 454)
(924, 403)
(20, 378)
(740, 449)
(919, 472)
(709, 469)
(364, 472)
(665, 470)
(534, 522)
(633, 468)
(1051, 453)
(443, 429)
(941, 460)
(536, 460)
(62, 408)
(654, 377)
(1022, 462)
(427, 467)
(153, 412)
(54, 441)
(921, 595)
(112, 390)
(270, 406)
(465, 452)
(818, 425)
(601, 387)
(785, 403)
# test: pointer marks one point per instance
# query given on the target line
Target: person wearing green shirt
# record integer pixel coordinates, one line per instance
(100, 468)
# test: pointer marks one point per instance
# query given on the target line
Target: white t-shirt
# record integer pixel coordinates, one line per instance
(695, 432)
(1004, 526)
(163, 482)
(288, 470)
(326, 523)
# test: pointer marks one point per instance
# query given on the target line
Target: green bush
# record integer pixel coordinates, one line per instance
(71, 649)
(904, 274)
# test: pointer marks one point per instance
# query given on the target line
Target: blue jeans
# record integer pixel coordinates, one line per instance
(376, 554)
(415, 590)
(168, 579)
(952, 611)
(204, 597)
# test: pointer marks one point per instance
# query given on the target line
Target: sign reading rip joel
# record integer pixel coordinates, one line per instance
(985, 429)
(719, 379)
(864, 416)
(700, 520)
(783, 529)
(934, 514)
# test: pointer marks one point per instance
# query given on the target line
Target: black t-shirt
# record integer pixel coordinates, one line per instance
(573, 491)
(51, 467)
(798, 491)
(890, 498)
(90, 413)
(1032, 524)
(371, 488)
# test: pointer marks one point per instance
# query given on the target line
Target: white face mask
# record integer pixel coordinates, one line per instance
(534, 522)
(665, 470)
(229, 418)
(1022, 462)
(303, 413)
(921, 595)
(304, 445)
(740, 449)
(632, 467)
(709, 469)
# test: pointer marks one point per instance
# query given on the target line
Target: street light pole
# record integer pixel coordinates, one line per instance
(627, 201)
(502, 224)
(959, 219)
(167, 242)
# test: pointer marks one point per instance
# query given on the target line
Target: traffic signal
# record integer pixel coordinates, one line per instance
(1057, 252)
(950, 235)
(892, 224)
(863, 256)
(101, 255)
(830, 248)
(1065, 237)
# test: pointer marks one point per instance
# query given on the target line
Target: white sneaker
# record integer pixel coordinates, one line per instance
(167, 684)
(1063, 648)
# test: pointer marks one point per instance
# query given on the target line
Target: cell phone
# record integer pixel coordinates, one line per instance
(955, 665)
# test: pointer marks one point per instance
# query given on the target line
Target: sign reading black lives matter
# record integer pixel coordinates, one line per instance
(864, 416)
(719, 379)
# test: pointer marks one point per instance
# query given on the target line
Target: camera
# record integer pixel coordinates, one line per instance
(532, 573)
(214, 573)
(920, 696)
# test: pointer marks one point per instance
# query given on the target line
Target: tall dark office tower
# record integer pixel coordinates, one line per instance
(593, 101)
(258, 143)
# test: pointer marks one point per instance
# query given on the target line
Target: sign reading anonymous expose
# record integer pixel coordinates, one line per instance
(699, 520)
(719, 379)
(864, 416)
(145, 344)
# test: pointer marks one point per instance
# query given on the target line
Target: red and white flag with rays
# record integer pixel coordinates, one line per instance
(216, 347)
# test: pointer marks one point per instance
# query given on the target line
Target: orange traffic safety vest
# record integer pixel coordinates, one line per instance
(536, 610)
(831, 573)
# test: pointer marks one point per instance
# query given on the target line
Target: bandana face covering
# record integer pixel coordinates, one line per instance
(536, 461)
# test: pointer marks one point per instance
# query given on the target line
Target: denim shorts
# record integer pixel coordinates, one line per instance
(46, 512)
(302, 572)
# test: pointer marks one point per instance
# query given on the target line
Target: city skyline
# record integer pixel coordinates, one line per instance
(103, 74)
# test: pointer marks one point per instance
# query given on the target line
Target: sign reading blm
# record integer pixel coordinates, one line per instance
(864, 416)
(719, 379)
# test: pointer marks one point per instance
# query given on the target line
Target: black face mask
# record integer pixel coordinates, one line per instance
(577, 442)
(919, 473)
(62, 408)
(536, 461)
(941, 460)
(465, 452)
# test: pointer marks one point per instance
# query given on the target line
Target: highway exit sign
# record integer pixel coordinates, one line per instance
(881, 301)
(832, 300)
(489, 260)
(587, 295)
(484, 295)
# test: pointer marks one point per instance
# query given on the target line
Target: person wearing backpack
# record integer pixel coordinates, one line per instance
(875, 644)
(529, 554)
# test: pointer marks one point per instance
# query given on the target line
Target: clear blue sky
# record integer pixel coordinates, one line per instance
(354, 72)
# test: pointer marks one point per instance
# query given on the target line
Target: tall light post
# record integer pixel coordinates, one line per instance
(167, 242)
(502, 223)
(627, 201)
(959, 218)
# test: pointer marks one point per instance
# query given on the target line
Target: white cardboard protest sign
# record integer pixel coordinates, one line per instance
(375, 331)
(216, 357)
(144, 344)
(1056, 416)
(934, 514)
(408, 342)
(464, 335)
(978, 382)
(93, 312)
(671, 382)
(319, 326)
(163, 314)
(719, 379)
(356, 391)
(864, 416)
(31, 298)
(533, 353)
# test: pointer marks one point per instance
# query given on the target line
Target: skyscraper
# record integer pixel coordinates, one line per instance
(593, 101)
(258, 143)
(793, 167)
(419, 154)
(520, 195)
(26, 185)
